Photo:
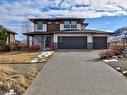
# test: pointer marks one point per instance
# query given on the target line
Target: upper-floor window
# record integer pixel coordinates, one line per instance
(73, 24)
(66, 24)
(39, 25)
(70, 24)
(53, 22)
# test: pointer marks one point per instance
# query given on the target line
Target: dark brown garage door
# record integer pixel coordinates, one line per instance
(99, 42)
(72, 42)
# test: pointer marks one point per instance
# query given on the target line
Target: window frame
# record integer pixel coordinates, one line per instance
(70, 25)
(41, 24)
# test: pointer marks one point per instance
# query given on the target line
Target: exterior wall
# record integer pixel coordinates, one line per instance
(108, 36)
(10, 39)
(53, 27)
(79, 26)
(62, 26)
(56, 36)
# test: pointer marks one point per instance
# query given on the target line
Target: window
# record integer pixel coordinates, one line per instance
(50, 22)
(70, 24)
(38, 39)
(66, 24)
(39, 26)
(53, 22)
(73, 24)
(56, 22)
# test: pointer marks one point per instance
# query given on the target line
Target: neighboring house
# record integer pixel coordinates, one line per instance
(10, 36)
(66, 33)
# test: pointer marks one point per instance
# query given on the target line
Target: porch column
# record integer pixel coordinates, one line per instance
(42, 42)
(44, 39)
(32, 40)
(28, 40)
(55, 41)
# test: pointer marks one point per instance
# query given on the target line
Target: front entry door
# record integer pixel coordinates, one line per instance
(48, 41)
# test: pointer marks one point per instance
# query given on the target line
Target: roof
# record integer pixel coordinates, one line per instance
(37, 33)
(8, 30)
(83, 31)
(98, 31)
(58, 18)
(86, 31)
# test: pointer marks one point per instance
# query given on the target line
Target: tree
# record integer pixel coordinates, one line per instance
(3, 36)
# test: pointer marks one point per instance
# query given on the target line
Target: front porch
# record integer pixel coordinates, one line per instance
(44, 40)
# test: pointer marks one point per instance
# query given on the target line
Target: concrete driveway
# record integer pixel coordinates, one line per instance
(78, 73)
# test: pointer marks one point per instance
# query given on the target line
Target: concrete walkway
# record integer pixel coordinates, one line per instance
(78, 73)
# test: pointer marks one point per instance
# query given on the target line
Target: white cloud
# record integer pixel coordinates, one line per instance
(18, 10)
(32, 8)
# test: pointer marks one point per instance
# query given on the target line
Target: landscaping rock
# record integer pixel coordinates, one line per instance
(119, 69)
(125, 52)
(11, 92)
(110, 60)
(125, 72)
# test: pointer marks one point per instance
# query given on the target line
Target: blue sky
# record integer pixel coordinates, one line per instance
(107, 15)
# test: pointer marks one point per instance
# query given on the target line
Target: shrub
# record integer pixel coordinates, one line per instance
(117, 49)
(35, 47)
(22, 46)
(4, 48)
(3, 36)
(104, 54)
(52, 47)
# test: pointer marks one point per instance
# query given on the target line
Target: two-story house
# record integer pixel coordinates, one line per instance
(66, 33)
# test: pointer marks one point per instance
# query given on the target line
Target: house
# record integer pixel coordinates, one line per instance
(65, 33)
(10, 36)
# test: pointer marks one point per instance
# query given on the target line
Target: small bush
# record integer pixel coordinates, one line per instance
(52, 47)
(104, 54)
(117, 49)
(22, 46)
(34, 47)
(4, 48)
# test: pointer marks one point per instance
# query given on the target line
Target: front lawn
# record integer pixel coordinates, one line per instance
(17, 57)
(12, 79)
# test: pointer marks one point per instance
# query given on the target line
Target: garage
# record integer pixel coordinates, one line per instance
(72, 42)
(99, 42)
